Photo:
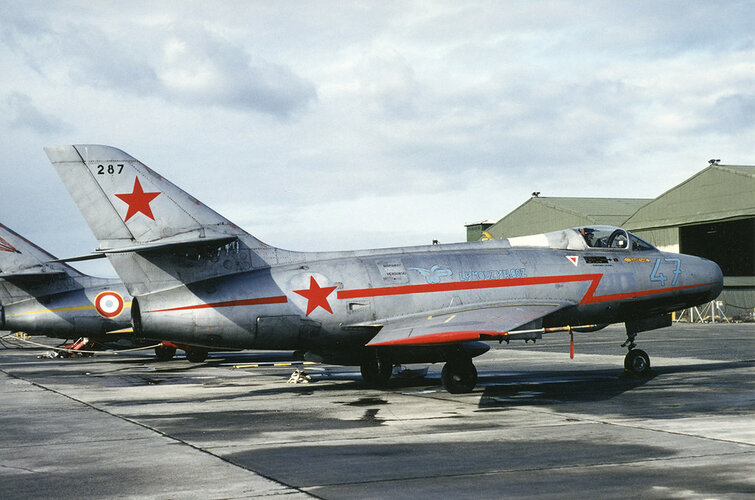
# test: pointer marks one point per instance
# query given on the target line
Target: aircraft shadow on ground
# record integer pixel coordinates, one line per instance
(551, 388)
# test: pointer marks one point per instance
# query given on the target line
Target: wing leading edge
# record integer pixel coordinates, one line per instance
(487, 323)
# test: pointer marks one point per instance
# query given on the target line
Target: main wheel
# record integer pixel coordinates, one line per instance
(637, 362)
(376, 369)
(459, 377)
(196, 355)
(164, 352)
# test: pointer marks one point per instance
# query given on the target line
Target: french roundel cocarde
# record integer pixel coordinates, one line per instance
(108, 304)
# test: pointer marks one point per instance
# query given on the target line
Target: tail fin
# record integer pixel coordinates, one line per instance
(26, 270)
(153, 232)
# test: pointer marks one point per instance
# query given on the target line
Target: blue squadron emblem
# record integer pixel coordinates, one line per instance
(434, 274)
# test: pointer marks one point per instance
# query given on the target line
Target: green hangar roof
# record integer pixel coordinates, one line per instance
(540, 215)
(717, 193)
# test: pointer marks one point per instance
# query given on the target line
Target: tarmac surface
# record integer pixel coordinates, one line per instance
(537, 425)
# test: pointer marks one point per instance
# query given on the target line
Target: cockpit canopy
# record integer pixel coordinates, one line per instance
(585, 238)
(612, 237)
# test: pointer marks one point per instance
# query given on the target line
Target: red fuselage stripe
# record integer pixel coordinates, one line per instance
(281, 299)
(465, 285)
(590, 299)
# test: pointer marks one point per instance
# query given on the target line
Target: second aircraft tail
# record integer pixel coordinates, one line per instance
(27, 270)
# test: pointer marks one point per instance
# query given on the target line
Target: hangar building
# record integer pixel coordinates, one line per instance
(541, 215)
(711, 214)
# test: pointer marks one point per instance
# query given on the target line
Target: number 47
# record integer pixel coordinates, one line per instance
(656, 276)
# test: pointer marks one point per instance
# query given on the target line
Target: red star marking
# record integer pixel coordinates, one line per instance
(316, 296)
(138, 201)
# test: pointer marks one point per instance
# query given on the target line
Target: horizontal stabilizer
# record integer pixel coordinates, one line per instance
(32, 273)
(172, 243)
(80, 258)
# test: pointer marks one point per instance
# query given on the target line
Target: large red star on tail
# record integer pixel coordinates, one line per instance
(138, 201)
(316, 296)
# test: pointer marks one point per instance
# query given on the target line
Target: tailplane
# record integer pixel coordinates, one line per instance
(156, 235)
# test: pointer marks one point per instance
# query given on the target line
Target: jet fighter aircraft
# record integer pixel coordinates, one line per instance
(200, 279)
(41, 296)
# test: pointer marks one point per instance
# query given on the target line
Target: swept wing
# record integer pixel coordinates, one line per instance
(484, 323)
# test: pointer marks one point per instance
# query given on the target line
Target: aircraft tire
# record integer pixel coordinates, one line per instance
(375, 369)
(459, 377)
(164, 352)
(637, 362)
(196, 355)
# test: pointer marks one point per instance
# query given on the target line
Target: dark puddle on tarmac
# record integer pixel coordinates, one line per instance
(367, 401)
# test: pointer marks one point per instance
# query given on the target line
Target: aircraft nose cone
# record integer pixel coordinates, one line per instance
(711, 276)
(717, 278)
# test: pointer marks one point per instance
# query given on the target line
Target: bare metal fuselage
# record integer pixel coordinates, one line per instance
(269, 308)
(67, 309)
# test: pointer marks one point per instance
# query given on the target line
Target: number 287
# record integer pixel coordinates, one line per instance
(110, 169)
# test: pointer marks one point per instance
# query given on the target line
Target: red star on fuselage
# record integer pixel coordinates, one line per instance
(316, 296)
(138, 201)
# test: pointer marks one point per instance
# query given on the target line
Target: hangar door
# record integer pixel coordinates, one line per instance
(730, 244)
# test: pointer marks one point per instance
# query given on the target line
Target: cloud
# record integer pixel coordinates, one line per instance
(22, 113)
(734, 113)
(387, 78)
(200, 67)
(181, 63)
(317, 117)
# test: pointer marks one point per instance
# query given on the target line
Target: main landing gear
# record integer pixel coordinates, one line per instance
(637, 361)
(196, 354)
(459, 374)
(376, 368)
(164, 352)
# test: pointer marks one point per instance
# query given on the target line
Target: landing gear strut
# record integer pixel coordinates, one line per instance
(376, 368)
(637, 361)
(459, 374)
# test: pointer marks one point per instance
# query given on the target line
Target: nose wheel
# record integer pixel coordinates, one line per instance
(637, 362)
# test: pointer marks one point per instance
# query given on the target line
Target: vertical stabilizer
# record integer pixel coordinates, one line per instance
(156, 235)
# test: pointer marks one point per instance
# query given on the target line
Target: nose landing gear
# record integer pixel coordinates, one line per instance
(637, 361)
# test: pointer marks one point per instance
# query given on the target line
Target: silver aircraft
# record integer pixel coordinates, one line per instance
(41, 296)
(198, 278)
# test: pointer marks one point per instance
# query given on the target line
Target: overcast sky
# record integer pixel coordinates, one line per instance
(321, 125)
